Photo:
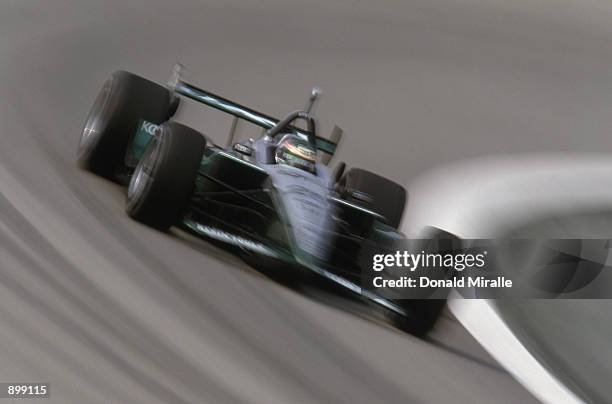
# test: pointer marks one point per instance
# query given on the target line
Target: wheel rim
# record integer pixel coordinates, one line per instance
(142, 178)
(93, 125)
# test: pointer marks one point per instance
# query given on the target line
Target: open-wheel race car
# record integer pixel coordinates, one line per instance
(271, 198)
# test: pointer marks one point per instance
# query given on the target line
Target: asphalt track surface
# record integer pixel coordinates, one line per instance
(107, 310)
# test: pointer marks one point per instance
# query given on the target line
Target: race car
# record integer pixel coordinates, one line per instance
(270, 198)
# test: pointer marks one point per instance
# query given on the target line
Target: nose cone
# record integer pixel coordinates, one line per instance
(304, 202)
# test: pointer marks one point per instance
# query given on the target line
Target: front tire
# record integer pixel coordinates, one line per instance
(164, 179)
(124, 100)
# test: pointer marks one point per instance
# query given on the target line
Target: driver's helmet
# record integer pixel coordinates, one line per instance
(296, 152)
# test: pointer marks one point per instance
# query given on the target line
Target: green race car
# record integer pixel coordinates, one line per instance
(270, 198)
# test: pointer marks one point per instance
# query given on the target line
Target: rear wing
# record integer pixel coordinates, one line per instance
(179, 86)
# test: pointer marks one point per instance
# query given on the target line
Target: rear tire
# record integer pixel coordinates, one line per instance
(123, 101)
(421, 315)
(426, 305)
(374, 192)
(164, 179)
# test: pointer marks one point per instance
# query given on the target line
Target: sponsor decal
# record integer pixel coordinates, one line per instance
(149, 128)
(230, 238)
(239, 147)
(362, 196)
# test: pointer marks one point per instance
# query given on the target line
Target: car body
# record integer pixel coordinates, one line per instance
(256, 202)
